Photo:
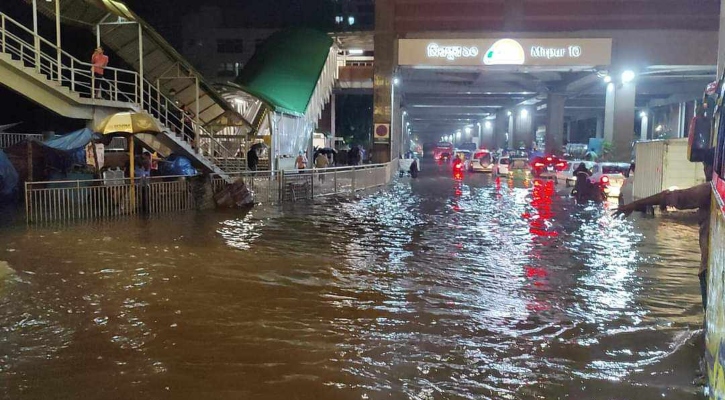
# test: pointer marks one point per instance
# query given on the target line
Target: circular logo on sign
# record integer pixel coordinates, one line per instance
(381, 130)
(575, 51)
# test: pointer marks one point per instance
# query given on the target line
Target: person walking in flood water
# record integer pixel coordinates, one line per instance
(581, 187)
(321, 162)
(414, 168)
(301, 161)
(697, 197)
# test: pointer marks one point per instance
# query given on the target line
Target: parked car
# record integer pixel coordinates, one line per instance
(482, 161)
(567, 174)
(610, 175)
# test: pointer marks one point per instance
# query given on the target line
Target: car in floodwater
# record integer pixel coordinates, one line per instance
(502, 166)
(567, 175)
(443, 151)
(547, 167)
(519, 168)
(482, 161)
(610, 176)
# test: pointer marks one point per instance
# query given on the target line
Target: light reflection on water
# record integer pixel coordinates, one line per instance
(432, 289)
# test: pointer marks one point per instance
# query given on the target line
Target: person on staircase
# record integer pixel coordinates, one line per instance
(99, 61)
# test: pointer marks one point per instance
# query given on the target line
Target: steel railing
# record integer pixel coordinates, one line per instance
(9, 139)
(59, 66)
(264, 185)
(295, 185)
(103, 198)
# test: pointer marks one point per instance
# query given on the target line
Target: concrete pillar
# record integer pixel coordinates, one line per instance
(383, 80)
(555, 123)
(488, 136)
(619, 119)
(523, 128)
(500, 128)
(644, 126)
(624, 103)
(609, 112)
(600, 126)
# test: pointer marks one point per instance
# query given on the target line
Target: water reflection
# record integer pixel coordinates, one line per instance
(434, 288)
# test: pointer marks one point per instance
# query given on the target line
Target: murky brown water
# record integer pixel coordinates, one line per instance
(433, 289)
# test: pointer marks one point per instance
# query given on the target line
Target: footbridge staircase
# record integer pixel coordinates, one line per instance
(51, 77)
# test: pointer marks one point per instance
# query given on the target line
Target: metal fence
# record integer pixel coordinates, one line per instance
(9, 139)
(264, 185)
(99, 198)
(292, 185)
(62, 201)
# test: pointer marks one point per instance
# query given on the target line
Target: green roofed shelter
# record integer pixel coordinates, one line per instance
(284, 88)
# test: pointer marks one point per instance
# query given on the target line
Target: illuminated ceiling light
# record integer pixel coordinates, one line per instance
(351, 20)
(488, 124)
(458, 135)
(356, 52)
(524, 113)
(607, 79)
(628, 76)
(643, 114)
(468, 130)
(508, 113)
(396, 81)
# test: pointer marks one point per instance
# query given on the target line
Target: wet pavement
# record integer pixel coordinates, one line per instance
(430, 289)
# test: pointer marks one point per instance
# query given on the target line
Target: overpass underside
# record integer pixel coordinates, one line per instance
(566, 86)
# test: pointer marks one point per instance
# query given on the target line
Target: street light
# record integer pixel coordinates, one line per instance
(468, 130)
(396, 81)
(643, 114)
(488, 124)
(524, 113)
(607, 79)
(508, 113)
(628, 76)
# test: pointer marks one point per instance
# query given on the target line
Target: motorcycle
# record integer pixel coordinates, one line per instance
(596, 192)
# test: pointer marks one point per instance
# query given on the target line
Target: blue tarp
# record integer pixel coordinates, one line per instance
(177, 165)
(8, 176)
(71, 141)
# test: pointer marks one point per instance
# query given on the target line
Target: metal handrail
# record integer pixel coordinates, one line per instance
(72, 75)
(124, 180)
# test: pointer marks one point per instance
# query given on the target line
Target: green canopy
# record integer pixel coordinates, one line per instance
(285, 69)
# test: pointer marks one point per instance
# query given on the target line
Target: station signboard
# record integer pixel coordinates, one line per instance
(505, 52)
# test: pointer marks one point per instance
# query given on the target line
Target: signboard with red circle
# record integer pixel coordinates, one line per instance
(382, 132)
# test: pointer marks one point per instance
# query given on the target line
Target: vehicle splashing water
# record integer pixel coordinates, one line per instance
(433, 288)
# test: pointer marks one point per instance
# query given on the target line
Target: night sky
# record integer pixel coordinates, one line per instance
(166, 15)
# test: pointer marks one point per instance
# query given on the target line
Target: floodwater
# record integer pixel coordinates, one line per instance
(429, 289)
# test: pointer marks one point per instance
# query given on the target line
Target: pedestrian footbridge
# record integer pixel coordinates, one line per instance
(191, 113)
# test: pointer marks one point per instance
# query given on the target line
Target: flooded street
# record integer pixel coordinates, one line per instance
(429, 289)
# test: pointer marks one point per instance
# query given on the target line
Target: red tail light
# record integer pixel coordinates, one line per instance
(604, 180)
(539, 165)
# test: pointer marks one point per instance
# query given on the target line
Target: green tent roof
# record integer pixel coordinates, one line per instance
(285, 69)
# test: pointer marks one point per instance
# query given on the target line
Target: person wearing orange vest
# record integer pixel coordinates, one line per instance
(99, 61)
